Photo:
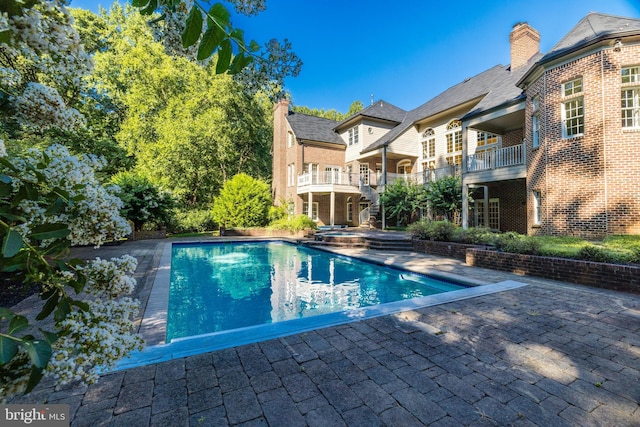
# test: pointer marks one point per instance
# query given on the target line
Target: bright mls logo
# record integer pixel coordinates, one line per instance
(35, 415)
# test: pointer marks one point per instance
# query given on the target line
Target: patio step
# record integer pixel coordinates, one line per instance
(362, 241)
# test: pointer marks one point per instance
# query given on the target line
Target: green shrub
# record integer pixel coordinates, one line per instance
(193, 221)
(277, 213)
(474, 235)
(243, 202)
(295, 224)
(517, 243)
(432, 230)
(590, 252)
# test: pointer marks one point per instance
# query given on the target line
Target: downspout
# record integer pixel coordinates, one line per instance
(384, 183)
(604, 147)
(465, 189)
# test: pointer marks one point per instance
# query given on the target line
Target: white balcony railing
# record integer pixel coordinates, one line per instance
(496, 158)
(374, 179)
(329, 177)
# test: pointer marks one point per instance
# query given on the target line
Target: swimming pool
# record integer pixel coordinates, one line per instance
(218, 287)
(154, 322)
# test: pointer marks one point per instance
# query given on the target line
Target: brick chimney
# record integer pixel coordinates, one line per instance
(525, 42)
(279, 150)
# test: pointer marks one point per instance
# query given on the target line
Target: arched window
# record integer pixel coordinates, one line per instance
(428, 144)
(454, 142)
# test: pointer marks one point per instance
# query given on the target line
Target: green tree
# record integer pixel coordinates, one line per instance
(445, 198)
(188, 128)
(332, 114)
(243, 202)
(403, 200)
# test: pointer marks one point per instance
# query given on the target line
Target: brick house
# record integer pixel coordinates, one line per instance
(545, 145)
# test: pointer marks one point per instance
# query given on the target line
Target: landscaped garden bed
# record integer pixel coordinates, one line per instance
(613, 263)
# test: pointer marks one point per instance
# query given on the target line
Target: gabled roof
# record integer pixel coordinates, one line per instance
(312, 128)
(505, 92)
(592, 29)
(380, 110)
(459, 94)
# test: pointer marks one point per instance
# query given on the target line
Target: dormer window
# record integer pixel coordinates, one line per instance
(353, 136)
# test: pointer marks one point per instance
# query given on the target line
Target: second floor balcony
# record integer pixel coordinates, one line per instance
(353, 183)
(496, 158)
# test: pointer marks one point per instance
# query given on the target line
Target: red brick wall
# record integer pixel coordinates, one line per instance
(585, 181)
(598, 274)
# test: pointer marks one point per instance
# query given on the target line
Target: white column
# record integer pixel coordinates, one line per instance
(333, 208)
(465, 206)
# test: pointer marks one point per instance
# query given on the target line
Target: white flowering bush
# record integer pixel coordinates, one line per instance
(50, 200)
(94, 216)
(42, 62)
(100, 336)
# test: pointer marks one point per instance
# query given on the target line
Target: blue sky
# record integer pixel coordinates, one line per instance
(405, 51)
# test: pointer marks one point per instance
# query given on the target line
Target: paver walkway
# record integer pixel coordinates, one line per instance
(548, 354)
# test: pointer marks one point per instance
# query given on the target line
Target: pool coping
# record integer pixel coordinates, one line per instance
(154, 320)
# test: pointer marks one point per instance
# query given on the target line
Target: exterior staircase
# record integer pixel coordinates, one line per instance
(369, 216)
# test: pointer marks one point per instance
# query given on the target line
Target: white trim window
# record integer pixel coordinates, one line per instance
(289, 139)
(314, 210)
(630, 98)
(454, 143)
(537, 207)
(428, 144)
(572, 109)
(535, 122)
(354, 136)
(349, 209)
(364, 173)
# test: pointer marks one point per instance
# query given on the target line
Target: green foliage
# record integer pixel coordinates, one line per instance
(144, 202)
(403, 199)
(280, 212)
(432, 230)
(517, 243)
(188, 128)
(333, 114)
(295, 224)
(243, 202)
(595, 253)
(445, 197)
(193, 220)
(474, 235)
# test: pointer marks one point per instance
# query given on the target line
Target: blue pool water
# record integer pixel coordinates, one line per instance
(218, 287)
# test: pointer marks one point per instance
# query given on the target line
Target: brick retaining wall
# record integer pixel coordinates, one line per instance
(447, 249)
(599, 274)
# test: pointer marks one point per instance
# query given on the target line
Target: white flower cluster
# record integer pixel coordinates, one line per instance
(44, 47)
(94, 216)
(41, 107)
(95, 339)
(110, 278)
(169, 31)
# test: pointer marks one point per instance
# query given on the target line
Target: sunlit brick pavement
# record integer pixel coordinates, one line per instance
(547, 354)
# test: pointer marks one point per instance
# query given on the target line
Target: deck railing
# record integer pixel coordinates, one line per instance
(496, 158)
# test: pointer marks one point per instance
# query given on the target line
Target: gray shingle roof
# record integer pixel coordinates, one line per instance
(593, 28)
(468, 90)
(379, 110)
(312, 128)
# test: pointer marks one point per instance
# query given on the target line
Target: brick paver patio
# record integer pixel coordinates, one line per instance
(548, 354)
